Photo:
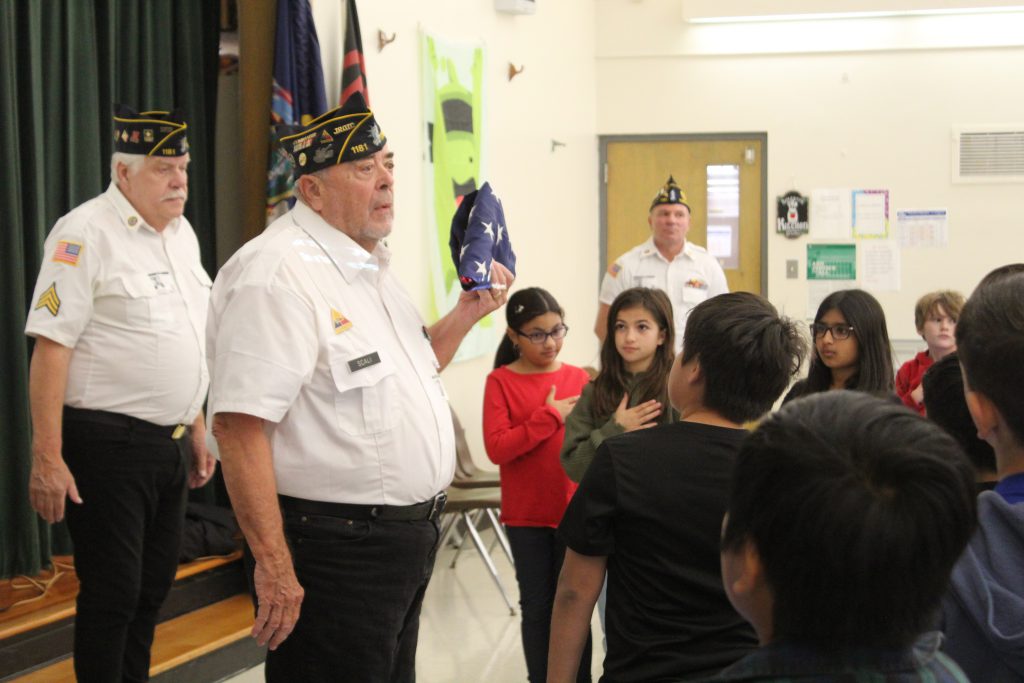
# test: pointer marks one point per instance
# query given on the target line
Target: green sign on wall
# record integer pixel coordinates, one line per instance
(831, 262)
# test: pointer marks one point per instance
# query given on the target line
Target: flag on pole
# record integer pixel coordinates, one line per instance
(298, 93)
(353, 74)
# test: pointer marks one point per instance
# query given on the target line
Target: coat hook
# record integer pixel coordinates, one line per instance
(383, 39)
(513, 71)
(555, 144)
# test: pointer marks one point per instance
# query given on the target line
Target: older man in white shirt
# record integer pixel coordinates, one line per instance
(117, 383)
(686, 272)
(330, 416)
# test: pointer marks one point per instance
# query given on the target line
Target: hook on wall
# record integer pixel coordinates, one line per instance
(513, 71)
(555, 144)
(383, 39)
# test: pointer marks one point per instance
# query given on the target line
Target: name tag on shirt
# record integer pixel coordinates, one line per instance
(160, 280)
(364, 361)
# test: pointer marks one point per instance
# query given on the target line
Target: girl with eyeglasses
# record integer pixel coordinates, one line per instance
(526, 399)
(851, 344)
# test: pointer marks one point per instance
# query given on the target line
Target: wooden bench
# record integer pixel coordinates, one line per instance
(204, 634)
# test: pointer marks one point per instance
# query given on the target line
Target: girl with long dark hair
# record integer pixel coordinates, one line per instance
(527, 397)
(851, 347)
(631, 390)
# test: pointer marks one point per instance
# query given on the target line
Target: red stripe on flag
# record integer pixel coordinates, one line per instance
(352, 58)
(354, 86)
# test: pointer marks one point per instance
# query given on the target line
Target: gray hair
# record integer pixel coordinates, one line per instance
(132, 161)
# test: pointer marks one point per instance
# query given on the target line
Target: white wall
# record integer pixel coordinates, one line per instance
(856, 104)
(549, 198)
(865, 103)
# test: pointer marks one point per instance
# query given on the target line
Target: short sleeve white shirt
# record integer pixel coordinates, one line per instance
(691, 277)
(316, 336)
(132, 304)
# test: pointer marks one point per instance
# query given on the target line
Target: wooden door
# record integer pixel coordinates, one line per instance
(636, 168)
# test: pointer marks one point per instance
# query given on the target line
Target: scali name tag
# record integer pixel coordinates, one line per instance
(363, 362)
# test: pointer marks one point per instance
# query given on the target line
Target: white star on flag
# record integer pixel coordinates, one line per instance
(489, 230)
(501, 230)
(462, 252)
(481, 267)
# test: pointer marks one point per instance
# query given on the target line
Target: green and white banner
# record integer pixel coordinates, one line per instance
(453, 101)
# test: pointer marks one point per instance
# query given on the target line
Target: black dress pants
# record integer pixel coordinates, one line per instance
(538, 558)
(132, 478)
(364, 582)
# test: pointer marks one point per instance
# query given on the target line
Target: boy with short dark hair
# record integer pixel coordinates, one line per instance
(946, 406)
(984, 611)
(846, 515)
(649, 508)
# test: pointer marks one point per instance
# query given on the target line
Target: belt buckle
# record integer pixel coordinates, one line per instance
(178, 432)
(438, 506)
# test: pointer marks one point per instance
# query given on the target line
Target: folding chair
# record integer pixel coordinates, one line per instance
(472, 495)
(467, 474)
(461, 506)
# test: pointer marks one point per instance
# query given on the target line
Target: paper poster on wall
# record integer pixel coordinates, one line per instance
(923, 227)
(871, 213)
(830, 267)
(453, 102)
(880, 266)
(830, 213)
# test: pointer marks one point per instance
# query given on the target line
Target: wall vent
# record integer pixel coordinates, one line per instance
(988, 154)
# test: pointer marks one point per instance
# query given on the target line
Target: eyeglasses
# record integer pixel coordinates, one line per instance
(839, 331)
(538, 337)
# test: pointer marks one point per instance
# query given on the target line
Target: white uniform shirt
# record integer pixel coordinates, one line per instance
(132, 303)
(691, 277)
(315, 335)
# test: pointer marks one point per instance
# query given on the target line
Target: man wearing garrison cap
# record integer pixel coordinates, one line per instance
(666, 261)
(117, 384)
(332, 423)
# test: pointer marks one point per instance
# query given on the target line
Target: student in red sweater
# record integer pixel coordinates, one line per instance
(526, 399)
(935, 317)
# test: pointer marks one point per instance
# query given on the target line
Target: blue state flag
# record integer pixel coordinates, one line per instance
(298, 93)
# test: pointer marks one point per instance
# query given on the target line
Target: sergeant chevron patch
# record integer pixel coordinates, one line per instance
(49, 300)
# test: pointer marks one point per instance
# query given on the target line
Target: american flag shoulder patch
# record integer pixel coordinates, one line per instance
(67, 252)
(614, 269)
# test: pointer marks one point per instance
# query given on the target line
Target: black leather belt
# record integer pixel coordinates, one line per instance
(430, 509)
(126, 422)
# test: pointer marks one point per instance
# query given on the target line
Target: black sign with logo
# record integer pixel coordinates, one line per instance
(792, 215)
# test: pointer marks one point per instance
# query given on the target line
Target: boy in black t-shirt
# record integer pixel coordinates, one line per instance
(846, 515)
(649, 509)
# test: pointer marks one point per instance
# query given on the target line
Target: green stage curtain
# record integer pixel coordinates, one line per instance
(63, 63)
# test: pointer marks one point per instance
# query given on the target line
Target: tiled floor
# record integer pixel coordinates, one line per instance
(466, 632)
